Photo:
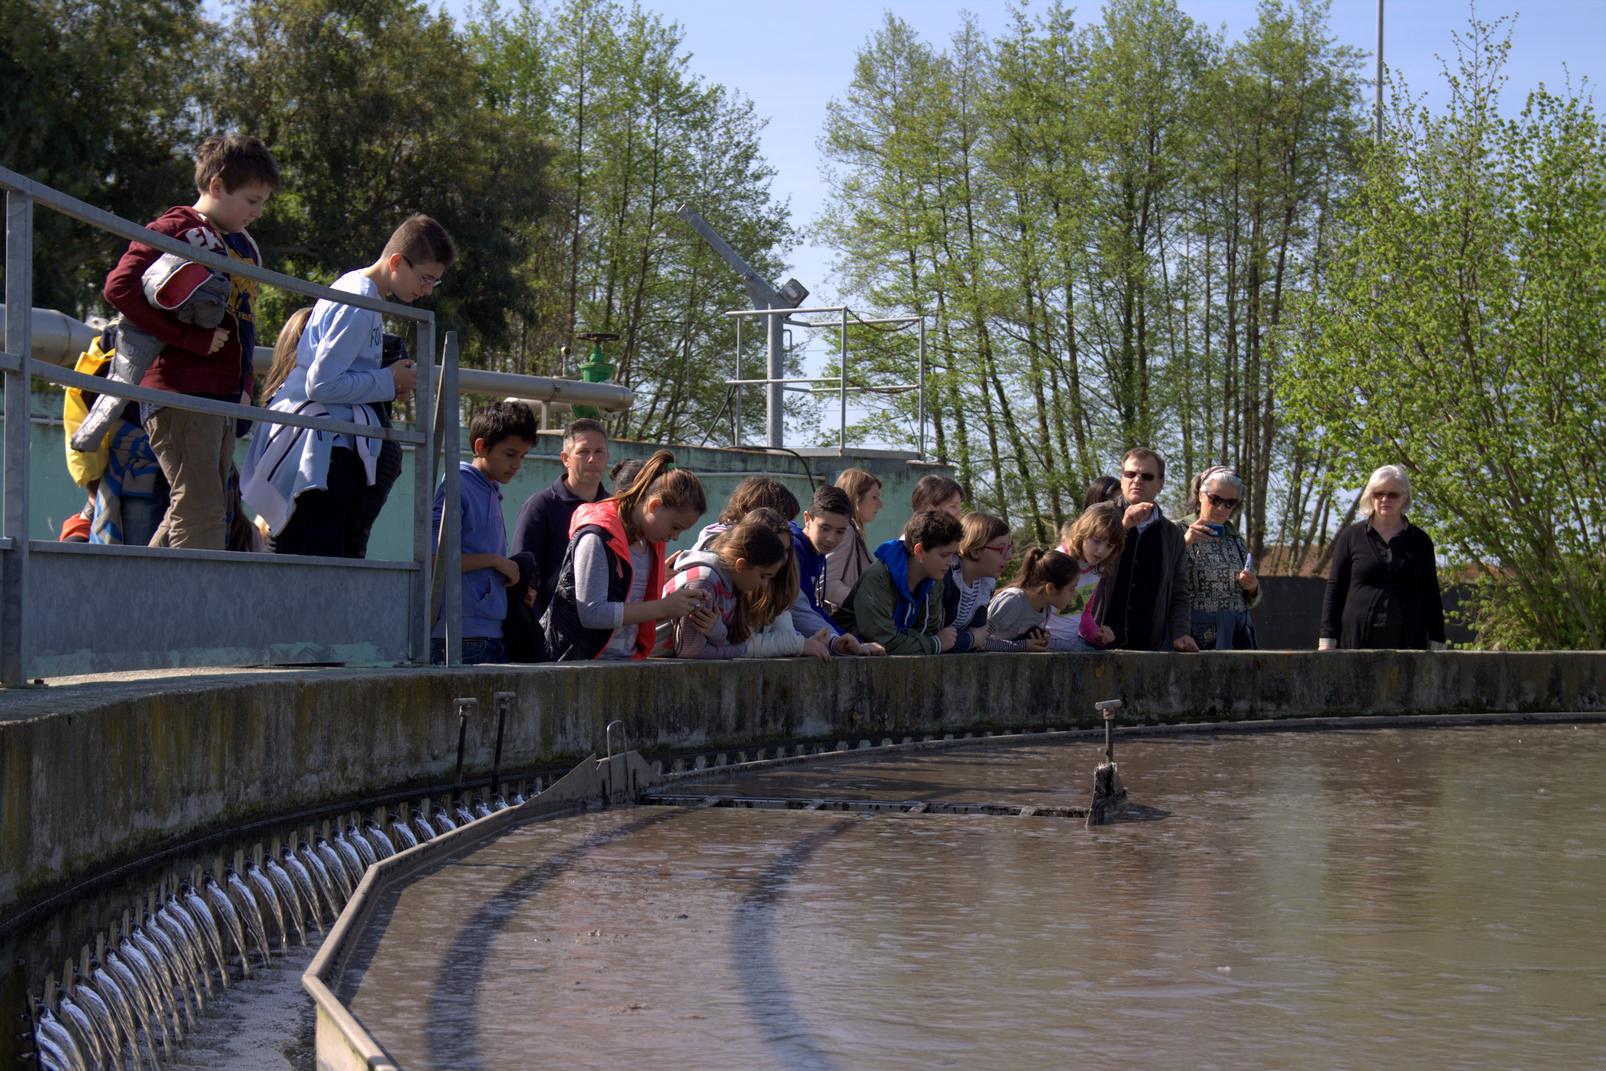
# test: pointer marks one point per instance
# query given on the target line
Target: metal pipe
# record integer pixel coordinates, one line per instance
(503, 701)
(736, 399)
(465, 707)
(14, 660)
(58, 339)
(425, 414)
(1377, 133)
(774, 397)
(450, 555)
(922, 446)
(842, 426)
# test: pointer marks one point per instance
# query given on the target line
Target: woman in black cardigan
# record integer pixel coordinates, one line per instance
(1383, 587)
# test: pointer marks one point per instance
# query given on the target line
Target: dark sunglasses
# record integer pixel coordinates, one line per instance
(1219, 502)
(1146, 477)
(1386, 494)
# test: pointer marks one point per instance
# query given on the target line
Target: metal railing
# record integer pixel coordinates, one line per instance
(840, 381)
(253, 632)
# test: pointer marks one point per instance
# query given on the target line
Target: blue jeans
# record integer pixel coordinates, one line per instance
(477, 650)
(1223, 630)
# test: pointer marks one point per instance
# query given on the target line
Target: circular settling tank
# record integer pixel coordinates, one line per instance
(1339, 899)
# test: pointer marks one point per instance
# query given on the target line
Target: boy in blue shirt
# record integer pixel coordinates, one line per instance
(501, 435)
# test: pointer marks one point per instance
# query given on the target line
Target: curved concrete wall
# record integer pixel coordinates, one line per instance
(94, 773)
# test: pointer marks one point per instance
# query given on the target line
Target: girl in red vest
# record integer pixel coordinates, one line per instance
(607, 602)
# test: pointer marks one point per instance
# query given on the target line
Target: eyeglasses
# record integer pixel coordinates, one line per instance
(431, 282)
(1387, 494)
(1219, 502)
(1146, 477)
(1006, 549)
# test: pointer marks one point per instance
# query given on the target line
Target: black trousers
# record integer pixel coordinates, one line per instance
(327, 521)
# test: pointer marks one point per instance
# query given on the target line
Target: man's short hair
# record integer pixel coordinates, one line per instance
(236, 159)
(580, 427)
(1143, 453)
(930, 490)
(500, 421)
(932, 528)
(828, 499)
(422, 240)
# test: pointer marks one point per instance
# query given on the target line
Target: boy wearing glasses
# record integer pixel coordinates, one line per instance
(1147, 607)
(305, 484)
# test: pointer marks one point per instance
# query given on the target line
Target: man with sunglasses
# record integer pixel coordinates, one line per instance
(1147, 608)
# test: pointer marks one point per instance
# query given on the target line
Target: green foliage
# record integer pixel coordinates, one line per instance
(1105, 222)
(376, 110)
(1462, 333)
(96, 104)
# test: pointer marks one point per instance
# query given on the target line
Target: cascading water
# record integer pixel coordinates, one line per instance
(146, 987)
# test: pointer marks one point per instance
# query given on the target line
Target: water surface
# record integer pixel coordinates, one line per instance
(1401, 898)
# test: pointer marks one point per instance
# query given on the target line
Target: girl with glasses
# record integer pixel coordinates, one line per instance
(1222, 585)
(984, 550)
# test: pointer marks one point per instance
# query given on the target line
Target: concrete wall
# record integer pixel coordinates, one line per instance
(93, 774)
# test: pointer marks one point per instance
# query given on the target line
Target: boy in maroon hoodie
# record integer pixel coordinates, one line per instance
(234, 175)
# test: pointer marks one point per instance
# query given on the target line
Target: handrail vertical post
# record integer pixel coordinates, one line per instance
(451, 506)
(423, 489)
(842, 431)
(14, 661)
(922, 390)
(736, 398)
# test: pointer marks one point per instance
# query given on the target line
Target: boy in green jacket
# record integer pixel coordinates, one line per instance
(898, 601)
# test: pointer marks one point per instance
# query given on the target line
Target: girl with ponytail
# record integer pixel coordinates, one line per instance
(1019, 615)
(608, 599)
(739, 563)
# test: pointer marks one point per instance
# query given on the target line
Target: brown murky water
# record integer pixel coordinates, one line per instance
(1419, 898)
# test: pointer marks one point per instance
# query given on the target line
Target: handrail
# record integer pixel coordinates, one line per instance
(58, 339)
(157, 396)
(103, 220)
(18, 366)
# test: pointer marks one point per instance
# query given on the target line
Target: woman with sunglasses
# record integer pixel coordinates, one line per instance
(1383, 586)
(1222, 585)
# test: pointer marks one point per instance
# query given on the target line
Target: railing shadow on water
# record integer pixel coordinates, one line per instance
(60, 602)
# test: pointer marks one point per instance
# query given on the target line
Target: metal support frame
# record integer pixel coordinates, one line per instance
(14, 588)
(775, 380)
(17, 652)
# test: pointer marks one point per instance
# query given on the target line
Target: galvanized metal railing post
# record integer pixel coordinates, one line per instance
(14, 593)
(450, 558)
(423, 489)
(922, 388)
(736, 398)
(842, 431)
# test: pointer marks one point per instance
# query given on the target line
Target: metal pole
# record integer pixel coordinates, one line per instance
(451, 557)
(922, 391)
(14, 594)
(774, 399)
(423, 491)
(1377, 134)
(842, 434)
(736, 398)
(503, 700)
(465, 707)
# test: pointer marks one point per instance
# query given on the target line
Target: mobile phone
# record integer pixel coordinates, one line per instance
(1217, 530)
(1249, 563)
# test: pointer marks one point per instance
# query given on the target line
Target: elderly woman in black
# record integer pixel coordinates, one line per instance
(1383, 587)
(1222, 585)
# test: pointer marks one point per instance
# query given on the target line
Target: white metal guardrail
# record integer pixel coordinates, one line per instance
(250, 608)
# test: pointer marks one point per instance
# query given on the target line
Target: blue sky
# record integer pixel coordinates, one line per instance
(790, 59)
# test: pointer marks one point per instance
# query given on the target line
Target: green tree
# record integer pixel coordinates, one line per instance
(1462, 333)
(376, 110)
(97, 104)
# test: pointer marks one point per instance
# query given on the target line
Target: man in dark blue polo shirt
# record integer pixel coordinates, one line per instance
(543, 524)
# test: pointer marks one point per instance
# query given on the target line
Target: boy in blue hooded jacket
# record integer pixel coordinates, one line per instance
(898, 601)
